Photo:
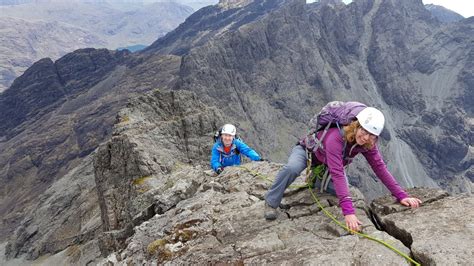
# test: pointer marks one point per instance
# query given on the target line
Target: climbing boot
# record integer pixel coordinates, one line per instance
(270, 212)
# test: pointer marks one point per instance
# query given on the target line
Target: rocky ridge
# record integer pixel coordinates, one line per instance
(53, 135)
(211, 23)
(183, 137)
(219, 220)
(151, 152)
(24, 42)
(186, 214)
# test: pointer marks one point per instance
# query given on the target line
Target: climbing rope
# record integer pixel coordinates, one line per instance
(257, 174)
(316, 200)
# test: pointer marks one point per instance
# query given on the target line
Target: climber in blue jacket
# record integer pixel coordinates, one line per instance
(227, 149)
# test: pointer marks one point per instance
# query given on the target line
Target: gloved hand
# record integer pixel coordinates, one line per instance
(219, 170)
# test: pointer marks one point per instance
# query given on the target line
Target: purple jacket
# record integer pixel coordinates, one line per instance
(332, 156)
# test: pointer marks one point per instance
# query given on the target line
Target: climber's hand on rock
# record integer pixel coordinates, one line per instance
(411, 202)
(353, 223)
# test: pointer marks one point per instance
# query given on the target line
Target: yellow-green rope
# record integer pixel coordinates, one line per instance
(254, 173)
(335, 219)
(361, 234)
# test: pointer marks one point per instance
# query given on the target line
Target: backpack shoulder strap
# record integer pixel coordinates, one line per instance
(217, 135)
(325, 131)
(342, 132)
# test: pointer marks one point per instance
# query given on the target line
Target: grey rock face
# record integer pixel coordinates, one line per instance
(185, 214)
(47, 97)
(439, 233)
(211, 22)
(154, 135)
(66, 214)
(60, 119)
(46, 84)
(377, 52)
(222, 221)
(52, 139)
(198, 217)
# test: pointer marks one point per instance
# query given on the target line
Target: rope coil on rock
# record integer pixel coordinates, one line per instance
(316, 200)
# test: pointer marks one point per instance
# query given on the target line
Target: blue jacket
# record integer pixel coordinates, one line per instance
(221, 159)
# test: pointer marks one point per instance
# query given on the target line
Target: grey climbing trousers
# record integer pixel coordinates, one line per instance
(287, 175)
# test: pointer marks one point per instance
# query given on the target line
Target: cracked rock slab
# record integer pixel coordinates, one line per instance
(440, 232)
(224, 223)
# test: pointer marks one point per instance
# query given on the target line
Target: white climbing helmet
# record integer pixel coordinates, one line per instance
(228, 129)
(372, 120)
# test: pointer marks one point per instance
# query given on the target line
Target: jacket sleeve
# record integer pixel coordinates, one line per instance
(215, 158)
(334, 145)
(246, 150)
(374, 158)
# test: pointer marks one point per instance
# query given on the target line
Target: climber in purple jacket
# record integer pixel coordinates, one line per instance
(340, 147)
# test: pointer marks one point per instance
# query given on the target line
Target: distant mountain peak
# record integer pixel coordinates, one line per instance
(443, 14)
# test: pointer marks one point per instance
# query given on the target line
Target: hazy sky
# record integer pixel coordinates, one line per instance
(462, 7)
